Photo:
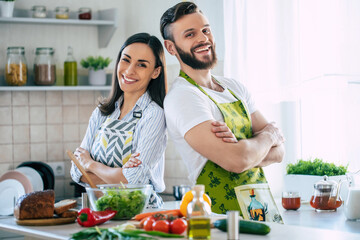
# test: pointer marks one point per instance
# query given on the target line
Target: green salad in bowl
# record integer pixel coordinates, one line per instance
(128, 199)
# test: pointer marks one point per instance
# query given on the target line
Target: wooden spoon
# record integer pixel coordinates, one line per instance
(82, 170)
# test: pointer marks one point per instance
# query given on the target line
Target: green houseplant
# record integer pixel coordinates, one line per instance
(302, 175)
(96, 65)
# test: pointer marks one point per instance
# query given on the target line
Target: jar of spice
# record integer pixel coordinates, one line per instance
(62, 12)
(85, 13)
(44, 66)
(16, 68)
(38, 12)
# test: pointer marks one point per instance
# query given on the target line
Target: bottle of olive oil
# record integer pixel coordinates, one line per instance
(70, 69)
(198, 213)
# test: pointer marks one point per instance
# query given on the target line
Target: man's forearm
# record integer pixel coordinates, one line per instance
(275, 155)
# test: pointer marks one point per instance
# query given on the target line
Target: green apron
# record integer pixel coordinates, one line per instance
(220, 183)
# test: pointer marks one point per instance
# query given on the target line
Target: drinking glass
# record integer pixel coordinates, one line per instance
(291, 200)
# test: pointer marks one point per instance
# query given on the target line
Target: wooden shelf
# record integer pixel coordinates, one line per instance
(105, 20)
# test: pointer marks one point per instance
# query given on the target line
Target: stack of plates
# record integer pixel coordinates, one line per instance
(10, 191)
(26, 178)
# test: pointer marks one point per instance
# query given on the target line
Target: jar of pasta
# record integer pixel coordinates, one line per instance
(44, 66)
(16, 68)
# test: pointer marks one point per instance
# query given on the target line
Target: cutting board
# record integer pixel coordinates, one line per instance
(46, 221)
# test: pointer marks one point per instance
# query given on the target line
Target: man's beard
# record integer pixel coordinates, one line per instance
(190, 59)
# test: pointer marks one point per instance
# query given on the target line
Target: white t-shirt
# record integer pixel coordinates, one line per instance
(186, 106)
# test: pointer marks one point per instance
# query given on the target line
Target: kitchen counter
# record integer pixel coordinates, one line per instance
(302, 224)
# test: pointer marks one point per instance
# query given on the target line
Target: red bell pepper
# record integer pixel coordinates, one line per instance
(89, 218)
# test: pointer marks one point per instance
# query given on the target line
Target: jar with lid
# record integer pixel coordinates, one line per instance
(326, 195)
(44, 66)
(85, 13)
(38, 12)
(62, 12)
(16, 67)
(198, 214)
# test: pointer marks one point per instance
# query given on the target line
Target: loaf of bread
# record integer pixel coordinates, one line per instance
(64, 205)
(35, 205)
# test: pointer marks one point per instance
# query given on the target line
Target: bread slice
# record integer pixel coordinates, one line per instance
(35, 205)
(64, 205)
(69, 213)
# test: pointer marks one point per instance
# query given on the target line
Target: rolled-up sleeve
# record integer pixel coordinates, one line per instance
(150, 141)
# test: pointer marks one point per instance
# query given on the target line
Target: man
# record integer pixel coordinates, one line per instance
(197, 99)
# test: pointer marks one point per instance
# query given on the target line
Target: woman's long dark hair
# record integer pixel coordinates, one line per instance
(157, 87)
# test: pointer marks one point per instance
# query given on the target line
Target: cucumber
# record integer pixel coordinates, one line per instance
(251, 227)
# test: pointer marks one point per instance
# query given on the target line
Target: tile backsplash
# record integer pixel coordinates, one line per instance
(42, 125)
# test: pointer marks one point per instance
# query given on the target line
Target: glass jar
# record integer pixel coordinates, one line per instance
(85, 13)
(38, 12)
(16, 68)
(44, 66)
(326, 195)
(62, 12)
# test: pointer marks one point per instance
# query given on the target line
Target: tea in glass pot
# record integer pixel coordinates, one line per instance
(326, 195)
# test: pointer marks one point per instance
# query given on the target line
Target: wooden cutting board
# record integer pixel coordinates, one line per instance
(46, 221)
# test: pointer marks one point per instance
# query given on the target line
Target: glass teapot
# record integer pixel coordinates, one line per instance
(326, 195)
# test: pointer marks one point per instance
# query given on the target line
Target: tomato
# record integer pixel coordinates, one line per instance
(178, 226)
(148, 223)
(161, 226)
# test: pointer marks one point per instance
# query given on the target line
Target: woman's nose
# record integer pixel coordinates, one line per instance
(130, 69)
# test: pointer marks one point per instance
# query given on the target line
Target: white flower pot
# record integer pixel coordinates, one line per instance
(97, 78)
(304, 184)
(7, 8)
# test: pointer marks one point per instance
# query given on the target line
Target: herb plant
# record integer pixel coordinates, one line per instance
(95, 63)
(316, 167)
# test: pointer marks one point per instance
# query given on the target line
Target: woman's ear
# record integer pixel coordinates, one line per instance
(170, 47)
(156, 72)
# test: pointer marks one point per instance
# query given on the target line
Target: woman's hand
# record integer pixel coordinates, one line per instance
(84, 158)
(133, 161)
(221, 130)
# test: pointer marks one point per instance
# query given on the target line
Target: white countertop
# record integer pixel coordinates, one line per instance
(304, 223)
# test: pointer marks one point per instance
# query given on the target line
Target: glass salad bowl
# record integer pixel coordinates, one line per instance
(127, 199)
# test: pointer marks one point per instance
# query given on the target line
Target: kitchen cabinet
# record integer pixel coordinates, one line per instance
(105, 20)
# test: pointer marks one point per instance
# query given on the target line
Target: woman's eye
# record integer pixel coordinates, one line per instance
(125, 60)
(142, 65)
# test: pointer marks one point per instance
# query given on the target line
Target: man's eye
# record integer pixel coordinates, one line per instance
(189, 35)
(206, 31)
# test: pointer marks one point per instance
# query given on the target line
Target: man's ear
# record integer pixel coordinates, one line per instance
(170, 46)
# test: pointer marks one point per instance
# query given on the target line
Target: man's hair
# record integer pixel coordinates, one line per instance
(173, 14)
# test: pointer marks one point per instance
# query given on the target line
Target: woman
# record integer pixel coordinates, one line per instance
(126, 137)
(130, 120)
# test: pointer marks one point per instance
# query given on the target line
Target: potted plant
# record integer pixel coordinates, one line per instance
(96, 65)
(302, 175)
(7, 8)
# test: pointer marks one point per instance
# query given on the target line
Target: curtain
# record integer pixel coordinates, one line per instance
(300, 59)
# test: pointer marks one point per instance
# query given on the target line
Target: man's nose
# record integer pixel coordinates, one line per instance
(203, 37)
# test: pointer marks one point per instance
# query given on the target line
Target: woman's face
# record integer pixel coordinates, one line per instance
(136, 68)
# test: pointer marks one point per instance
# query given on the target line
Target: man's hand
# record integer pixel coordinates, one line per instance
(133, 161)
(275, 132)
(222, 131)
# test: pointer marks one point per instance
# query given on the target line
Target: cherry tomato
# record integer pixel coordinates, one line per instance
(161, 226)
(148, 223)
(178, 226)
